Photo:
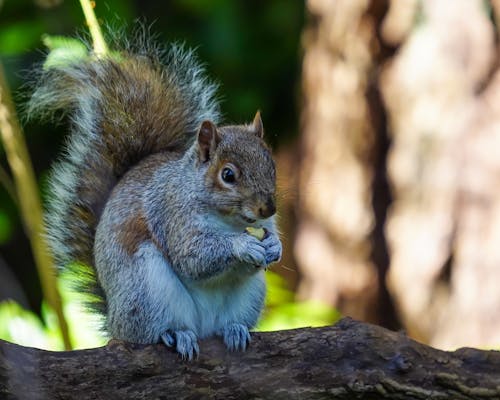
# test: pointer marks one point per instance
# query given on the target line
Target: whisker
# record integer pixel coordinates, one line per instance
(287, 268)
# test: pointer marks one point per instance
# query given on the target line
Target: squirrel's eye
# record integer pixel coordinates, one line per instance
(228, 175)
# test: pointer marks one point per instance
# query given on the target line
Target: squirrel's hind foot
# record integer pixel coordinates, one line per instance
(236, 336)
(185, 343)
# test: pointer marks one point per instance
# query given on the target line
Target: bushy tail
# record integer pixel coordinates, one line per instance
(139, 101)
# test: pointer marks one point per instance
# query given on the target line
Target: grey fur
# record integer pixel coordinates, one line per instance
(103, 143)
(146, 225)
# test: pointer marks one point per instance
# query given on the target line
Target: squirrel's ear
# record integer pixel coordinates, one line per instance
(208, 139)
(257, 125)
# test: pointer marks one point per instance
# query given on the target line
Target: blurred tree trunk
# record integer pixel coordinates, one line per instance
(339, 245)
(405, 91)
(443, 95)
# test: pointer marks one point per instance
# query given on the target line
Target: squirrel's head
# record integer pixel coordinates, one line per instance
(240, 172)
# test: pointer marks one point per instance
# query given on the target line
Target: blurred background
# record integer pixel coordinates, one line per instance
(384, 118)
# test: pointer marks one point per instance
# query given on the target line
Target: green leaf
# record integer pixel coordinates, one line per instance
(64, 51)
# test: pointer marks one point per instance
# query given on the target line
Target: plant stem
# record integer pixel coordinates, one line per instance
(29, 201)
(100, 47)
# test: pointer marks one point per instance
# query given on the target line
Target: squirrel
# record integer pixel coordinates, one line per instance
(149, 203)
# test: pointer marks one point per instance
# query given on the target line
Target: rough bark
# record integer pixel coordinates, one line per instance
(351, 360)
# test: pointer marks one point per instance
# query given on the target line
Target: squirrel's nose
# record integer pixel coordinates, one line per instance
(268, 209)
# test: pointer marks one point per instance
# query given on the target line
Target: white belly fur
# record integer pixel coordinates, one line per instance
(200, 307)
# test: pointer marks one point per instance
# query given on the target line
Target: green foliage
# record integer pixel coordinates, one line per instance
(63, 51)
(24, 327)
(282, 312)
(277, 290)
(298, 315)
(16, 38)
(83, 326)
(5, 226)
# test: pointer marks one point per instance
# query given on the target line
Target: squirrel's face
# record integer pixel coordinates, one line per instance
(240, 173)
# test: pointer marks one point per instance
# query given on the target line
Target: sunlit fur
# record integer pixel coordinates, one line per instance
(137, 215)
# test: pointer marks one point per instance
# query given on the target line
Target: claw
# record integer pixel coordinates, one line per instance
(168, 338)
(185, 342)
(236, 337)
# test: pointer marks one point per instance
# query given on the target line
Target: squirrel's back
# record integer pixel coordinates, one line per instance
(123, 107)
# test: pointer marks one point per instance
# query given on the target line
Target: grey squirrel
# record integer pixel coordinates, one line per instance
(150, 201)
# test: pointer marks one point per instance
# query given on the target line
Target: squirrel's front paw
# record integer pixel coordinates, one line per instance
(250, 250)
(273, 247)
(185, 343)
(236, 336)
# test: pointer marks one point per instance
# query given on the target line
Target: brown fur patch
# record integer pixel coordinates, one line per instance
(134, 231)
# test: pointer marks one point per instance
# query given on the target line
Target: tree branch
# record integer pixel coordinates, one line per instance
(347, 361)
